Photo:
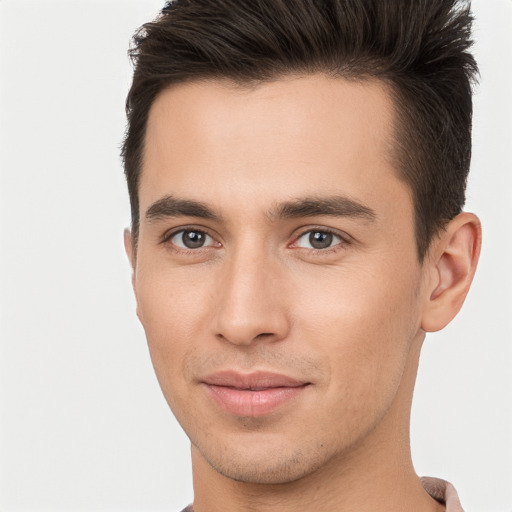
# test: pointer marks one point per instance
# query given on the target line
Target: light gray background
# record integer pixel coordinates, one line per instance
(83, 425)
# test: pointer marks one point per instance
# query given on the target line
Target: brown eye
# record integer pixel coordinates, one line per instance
(191, 239)
(318, 239)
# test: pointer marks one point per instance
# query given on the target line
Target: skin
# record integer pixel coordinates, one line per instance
(349, 318)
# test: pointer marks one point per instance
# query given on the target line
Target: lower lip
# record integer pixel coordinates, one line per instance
(244, 402)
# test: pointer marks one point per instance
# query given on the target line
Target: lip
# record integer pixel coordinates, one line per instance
(254, 394)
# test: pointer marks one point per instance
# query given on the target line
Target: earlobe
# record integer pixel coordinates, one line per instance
(454, 259)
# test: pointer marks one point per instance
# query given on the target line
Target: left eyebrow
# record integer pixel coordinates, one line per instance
(334, 206)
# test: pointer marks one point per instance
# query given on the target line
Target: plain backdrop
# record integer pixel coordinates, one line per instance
(83, 424)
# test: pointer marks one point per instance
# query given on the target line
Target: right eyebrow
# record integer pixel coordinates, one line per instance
(170, 206)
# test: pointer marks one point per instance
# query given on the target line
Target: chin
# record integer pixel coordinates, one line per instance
(268, 466)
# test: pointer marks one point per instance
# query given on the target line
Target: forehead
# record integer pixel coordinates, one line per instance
(296, 136)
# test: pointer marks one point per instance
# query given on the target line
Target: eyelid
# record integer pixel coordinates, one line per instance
(168, 235)
(344, 237)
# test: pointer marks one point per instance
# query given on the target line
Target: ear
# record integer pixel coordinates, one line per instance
(130, 252)
(128, 246)
(452, 260)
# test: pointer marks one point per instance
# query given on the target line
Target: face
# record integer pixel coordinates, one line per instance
(276, 274)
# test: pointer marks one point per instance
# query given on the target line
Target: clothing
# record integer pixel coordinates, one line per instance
(440, 490)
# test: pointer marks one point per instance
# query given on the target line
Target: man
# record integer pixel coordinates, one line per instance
(296, 173)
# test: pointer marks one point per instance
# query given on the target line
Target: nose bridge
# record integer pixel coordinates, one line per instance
(250, 305)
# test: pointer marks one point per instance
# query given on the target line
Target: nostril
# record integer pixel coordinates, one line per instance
(264, 335)
(246, 338)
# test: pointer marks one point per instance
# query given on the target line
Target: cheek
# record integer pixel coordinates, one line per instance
(173, 310)
(369, 303)
(363, 324)
(170, 300)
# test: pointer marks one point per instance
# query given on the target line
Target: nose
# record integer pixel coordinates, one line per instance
(252, 301)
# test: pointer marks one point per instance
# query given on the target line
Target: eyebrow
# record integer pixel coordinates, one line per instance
(170, 206)
(334, 206)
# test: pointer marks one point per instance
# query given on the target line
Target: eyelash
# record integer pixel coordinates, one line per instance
(344, 240)
(342, 244)
(166, 239)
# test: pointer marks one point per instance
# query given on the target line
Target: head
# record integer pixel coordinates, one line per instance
(296, 174)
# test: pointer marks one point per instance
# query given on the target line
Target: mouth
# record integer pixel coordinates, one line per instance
(255, 394)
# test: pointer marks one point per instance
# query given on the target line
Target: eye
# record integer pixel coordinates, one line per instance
(318, 239)
(191, 239)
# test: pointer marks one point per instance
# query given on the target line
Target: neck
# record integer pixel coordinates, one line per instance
(376, 474)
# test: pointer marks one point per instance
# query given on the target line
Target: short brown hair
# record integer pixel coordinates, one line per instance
(418, 47)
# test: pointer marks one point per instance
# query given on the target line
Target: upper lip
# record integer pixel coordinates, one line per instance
(254, 380)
